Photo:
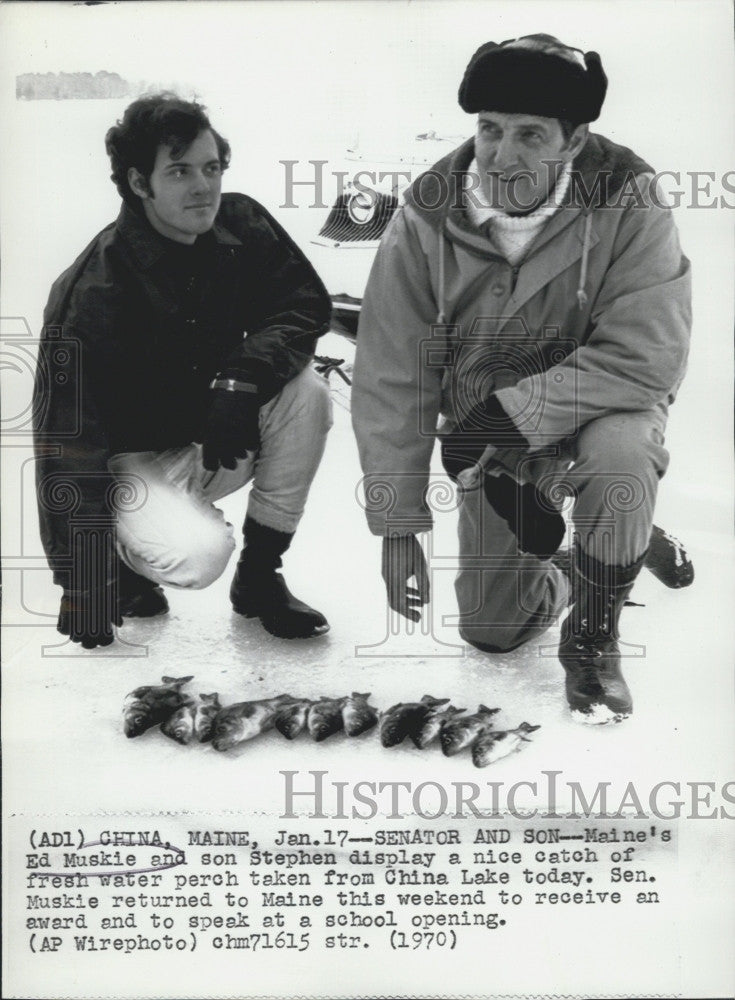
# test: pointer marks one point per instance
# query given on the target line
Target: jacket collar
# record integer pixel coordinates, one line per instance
(148, 246)
(438, 194)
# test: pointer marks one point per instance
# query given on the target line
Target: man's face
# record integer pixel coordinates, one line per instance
(183, 194)
(520, 157)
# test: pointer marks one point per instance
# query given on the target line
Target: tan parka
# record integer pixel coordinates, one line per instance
(595, 320)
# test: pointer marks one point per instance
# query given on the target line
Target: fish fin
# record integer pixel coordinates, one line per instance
(488, 711)
(177, 681)
(398, 704)
(139, 692)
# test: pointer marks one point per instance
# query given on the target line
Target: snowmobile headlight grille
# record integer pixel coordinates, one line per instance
(358, 218)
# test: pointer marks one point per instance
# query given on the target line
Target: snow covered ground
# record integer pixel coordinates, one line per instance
(65, 703)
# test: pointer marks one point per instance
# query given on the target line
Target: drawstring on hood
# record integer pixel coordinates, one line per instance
(440, 316)
(437, 196)
(582, 297)
(581, 294)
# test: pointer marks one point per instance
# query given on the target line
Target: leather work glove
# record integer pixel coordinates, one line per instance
(487, 423)
(404, 558)
(87, 617)
(538, 530)
(232, 427)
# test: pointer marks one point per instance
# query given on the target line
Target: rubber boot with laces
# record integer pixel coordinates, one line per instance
(595, 688)
(258, 591)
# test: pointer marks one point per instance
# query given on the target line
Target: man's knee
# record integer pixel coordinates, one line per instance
(190, 563)
(202, 564)
(622, 445)
(495, 639)
(309, 396)
(501, 611)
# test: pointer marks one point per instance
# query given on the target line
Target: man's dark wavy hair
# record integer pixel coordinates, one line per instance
(152, 121)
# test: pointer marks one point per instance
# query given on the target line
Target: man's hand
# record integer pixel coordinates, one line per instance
(403, 558)
(538, 528)
(88, 617)
(232, 428)
(487, 424)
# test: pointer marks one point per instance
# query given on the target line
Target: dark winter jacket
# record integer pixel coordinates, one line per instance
(136, 329)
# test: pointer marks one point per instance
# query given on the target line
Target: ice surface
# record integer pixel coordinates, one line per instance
(66, 703)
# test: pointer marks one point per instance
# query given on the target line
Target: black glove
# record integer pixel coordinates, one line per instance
(539, 531)
(232, 427)
(87, 617)
(487, 423)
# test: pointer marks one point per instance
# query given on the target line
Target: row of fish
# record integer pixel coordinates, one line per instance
(434, 718)
(185, 719)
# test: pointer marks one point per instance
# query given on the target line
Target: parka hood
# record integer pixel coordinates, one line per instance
(599, 171)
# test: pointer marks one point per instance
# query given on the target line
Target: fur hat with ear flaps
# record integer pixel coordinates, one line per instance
(534, 75)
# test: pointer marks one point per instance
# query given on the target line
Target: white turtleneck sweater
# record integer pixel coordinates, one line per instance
(513, 234)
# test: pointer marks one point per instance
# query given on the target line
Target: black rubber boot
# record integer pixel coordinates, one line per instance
(667, 560)
(139, 597)
(258, 591)
(595, 687)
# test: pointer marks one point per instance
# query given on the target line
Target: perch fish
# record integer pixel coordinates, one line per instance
(405, 717)
(152, 704)
(430, 728)
(204, 715)
(245, 720)
(358, 716)
(457, 735)
(491, 746)
(291, 720)
(325, 718)
(180, 725)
